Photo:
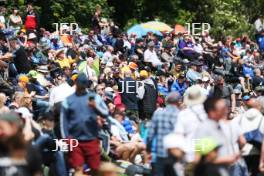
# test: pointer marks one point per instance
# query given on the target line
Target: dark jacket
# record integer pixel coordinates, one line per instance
(21, 61)
(128, 90)
(148, 104)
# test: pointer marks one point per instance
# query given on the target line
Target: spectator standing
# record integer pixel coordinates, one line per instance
(162, 123)
(148, 94)
(227, 133)
(15, 21)
(189, 120)
(31, 19)
(79, 121)
(128, 87)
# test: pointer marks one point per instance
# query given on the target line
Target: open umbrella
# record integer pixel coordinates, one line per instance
(140, 31)
(179, 29)
(156, 25)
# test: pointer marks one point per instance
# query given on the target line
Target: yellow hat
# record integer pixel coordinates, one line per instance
(23, 30)
(74, 77)
(23, 78)
(143, 74)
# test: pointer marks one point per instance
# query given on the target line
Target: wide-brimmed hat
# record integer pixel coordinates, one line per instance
(59, 52)
(193, 96)
(24, 112)
(133, 65)
(151, 44)
(196, 63)
(32, 36)
(43, 69)
(252, 114)
(205, 79)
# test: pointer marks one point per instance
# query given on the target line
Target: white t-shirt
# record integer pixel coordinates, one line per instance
(59, 94)
(151, 56)
(187, 124)
(118, 133)
(226, 133)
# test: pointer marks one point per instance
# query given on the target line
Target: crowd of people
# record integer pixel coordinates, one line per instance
(171, 105)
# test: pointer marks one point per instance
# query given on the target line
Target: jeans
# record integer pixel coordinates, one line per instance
(239, 169)
(60, 164)
(163, 167)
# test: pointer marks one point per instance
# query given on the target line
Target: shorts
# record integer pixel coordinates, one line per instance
(87, 152)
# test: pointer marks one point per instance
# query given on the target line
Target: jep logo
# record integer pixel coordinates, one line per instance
(65, 145)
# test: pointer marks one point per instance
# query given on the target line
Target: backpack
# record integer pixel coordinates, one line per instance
(255, 137)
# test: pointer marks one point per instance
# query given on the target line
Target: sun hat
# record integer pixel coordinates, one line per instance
(43, 69)
(23, 78)
(133, 65)
(25, 113)
(32, 36)
(151, 44)
(252, 114)
(59, 52)
(33, 74)
(205, 78)
(206, 145)
(196, 63)
(193, 96)
(143, 74)
(109, 89)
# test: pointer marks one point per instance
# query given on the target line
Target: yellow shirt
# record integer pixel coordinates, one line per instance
(65, 62)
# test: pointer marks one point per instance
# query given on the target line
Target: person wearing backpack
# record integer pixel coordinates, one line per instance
(252, 122)
(148, 95)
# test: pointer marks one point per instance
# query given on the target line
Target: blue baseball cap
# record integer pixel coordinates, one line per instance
(246, 97)
(82, 80)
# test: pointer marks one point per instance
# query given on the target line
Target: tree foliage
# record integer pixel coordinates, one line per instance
(225, 16)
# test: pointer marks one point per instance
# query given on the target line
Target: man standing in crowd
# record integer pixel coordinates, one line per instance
(227, 134)
(21, 62)
(128, 87)
(31, 19)
(79, 121)
(189, 120)
(162, 123)
(148, 95)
